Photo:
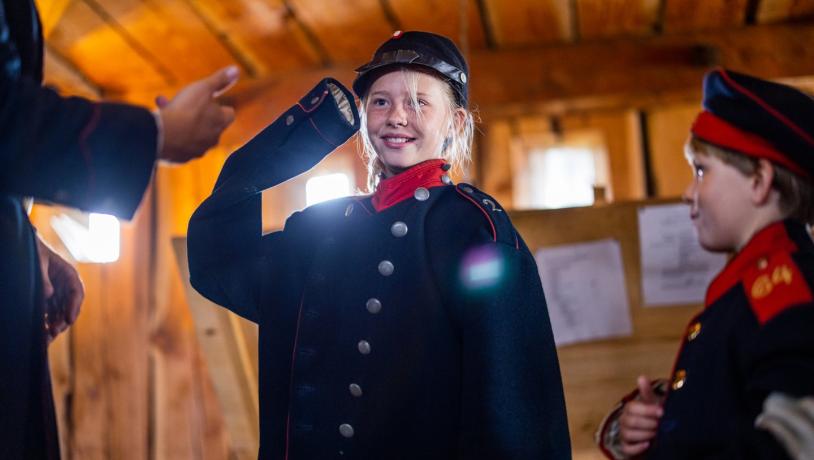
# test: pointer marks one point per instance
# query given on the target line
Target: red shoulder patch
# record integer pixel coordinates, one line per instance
(775, 285)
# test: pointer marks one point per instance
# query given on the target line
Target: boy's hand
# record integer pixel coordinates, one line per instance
(640, 419)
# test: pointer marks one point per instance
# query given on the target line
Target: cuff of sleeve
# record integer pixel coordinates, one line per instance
(120, 152)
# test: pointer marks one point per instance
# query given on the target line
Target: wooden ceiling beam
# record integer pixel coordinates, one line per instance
(132, 41)
(602, 19)
(390, 15)
(687, 15)
(486, 24)
(51, 12)
(635, 71)
(770, 11)
(64, 75)
(631, 73)
(242, 55)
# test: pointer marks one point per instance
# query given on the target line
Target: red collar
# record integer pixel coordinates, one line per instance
(770, 239)
(402, 186)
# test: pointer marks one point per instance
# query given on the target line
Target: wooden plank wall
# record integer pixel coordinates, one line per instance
(597, 374)
(506, 138)
(668, 128)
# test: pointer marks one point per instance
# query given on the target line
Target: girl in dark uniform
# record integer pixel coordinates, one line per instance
(406, 324)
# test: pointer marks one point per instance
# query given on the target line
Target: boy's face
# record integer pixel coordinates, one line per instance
(720, 205)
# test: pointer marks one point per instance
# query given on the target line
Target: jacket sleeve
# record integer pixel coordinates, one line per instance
(227, 252)
(93, 156)
(512, 399)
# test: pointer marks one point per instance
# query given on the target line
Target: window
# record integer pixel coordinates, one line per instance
(327, 187)
(559, 171)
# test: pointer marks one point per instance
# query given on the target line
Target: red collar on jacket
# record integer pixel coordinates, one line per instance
(402, 186)
(771, 239)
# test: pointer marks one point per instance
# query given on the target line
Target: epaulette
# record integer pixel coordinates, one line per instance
(774, 284)
(498, 220)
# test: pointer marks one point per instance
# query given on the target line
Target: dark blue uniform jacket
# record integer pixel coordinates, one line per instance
(418, 331)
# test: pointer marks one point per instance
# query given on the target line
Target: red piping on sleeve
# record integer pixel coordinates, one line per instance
(316, 104)
(83, 147)
(320, 133)
(489, 219)
(291, 381)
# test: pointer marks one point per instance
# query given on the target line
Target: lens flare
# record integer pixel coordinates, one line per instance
(482, 267)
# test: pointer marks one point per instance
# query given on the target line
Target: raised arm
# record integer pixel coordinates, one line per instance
(226, 249)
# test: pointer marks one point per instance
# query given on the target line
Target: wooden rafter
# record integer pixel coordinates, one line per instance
(250, 66)
(62, 73)
(634, 72)
(131, 40)
(51, 12)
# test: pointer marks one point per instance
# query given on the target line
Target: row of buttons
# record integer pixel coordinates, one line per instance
(680, 376)
(373, 305)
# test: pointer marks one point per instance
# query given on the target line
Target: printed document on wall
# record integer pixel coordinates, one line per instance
(676, 270)
(585, 290)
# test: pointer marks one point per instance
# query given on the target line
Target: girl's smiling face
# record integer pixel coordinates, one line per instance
(408, 117)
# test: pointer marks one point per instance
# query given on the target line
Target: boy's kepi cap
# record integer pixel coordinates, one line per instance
(758, 118)
(423, 49)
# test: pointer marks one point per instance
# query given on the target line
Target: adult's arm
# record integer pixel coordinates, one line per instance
(93, 156)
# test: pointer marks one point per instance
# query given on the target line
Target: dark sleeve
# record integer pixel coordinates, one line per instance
(512, 398)
(93, 156)
(227, 253)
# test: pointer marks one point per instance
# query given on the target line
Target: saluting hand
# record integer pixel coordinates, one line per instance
(640, 419)
(194, 120)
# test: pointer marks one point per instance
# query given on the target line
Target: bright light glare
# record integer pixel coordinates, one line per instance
(98, 242)
(327, 187)
(103, 230)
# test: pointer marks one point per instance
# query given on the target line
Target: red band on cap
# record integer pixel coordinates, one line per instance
(719, 132)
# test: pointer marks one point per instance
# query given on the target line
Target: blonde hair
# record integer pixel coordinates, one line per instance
(457, 148)
(796, 193)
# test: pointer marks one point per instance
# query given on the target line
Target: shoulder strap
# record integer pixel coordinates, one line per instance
(502, 229)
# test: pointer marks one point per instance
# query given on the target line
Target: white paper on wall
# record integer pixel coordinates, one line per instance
(675, 268)
(585, 290)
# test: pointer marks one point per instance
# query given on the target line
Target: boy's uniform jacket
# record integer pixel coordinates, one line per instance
(755, 336)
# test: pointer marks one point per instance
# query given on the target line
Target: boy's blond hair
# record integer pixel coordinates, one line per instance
(796, 193)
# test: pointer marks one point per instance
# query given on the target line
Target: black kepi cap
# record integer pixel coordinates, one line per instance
(416, 48)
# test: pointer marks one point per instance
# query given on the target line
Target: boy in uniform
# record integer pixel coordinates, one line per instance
(752, 152)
